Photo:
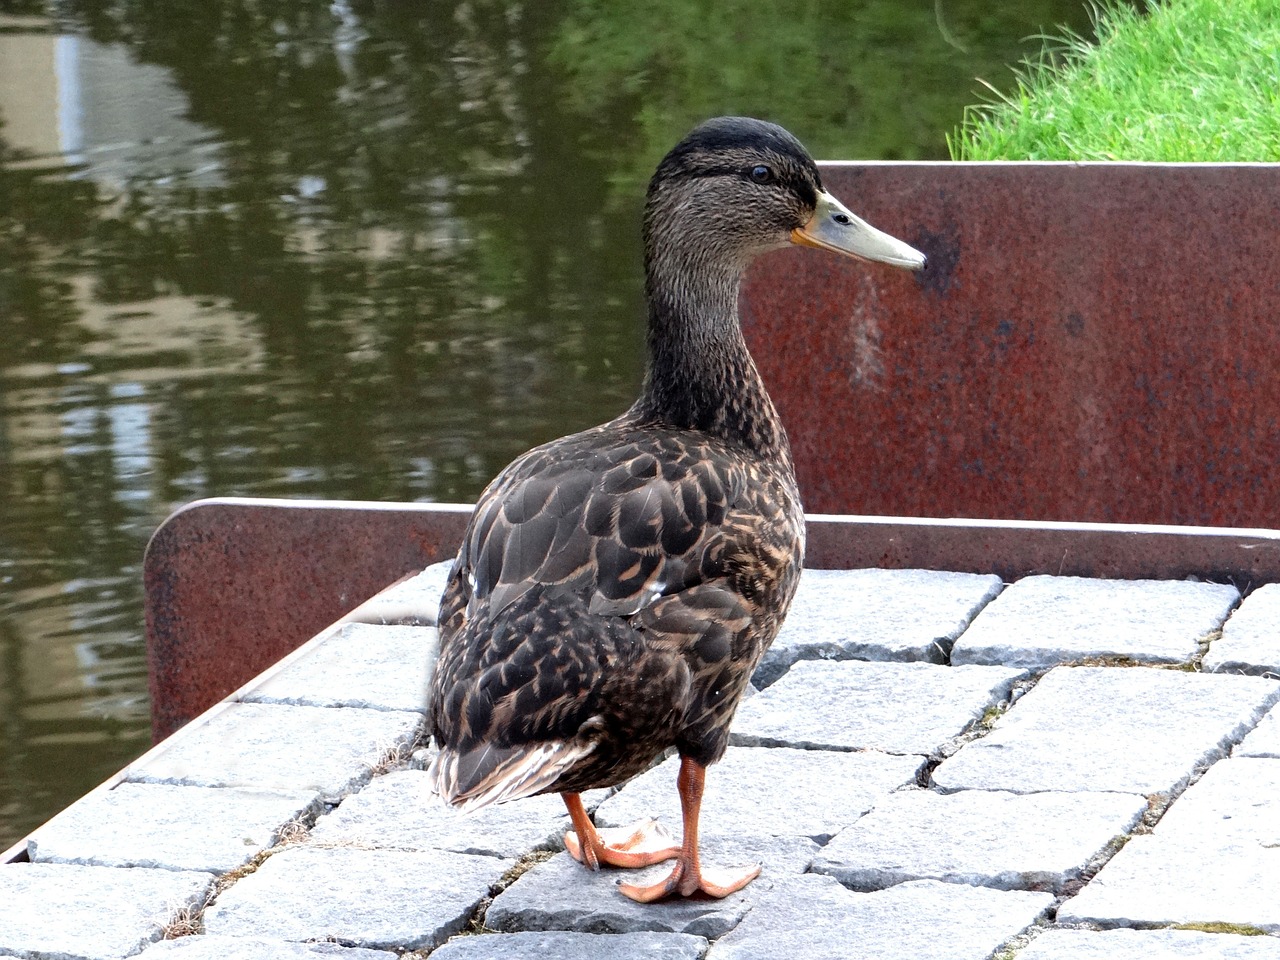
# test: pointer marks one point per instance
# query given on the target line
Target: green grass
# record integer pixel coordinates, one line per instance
(1183, 80)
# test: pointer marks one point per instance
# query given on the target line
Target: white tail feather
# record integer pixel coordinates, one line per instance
(522, 774)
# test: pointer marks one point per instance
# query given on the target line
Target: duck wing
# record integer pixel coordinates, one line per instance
(616, 523)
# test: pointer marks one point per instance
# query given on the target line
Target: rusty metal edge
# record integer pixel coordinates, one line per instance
(1020, 548)
(1124, 551)
(1108, 164)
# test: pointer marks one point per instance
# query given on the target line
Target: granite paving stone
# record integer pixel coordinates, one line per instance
(1130, 730)
(361, 665)
(813, 917)
(860, 705)
(1041, 621)
(1237, 798)
(876, 615)
(413, 601)
(768, 791)
(554, 945)
(366, 898)
(1250, 641)
(1154, 881)
(561, 894)
(1149, 945)
(168, 827)
(256, 948)
(1010, 841)
(1213, 858)
(65, 911)
(400, 811)
(1264, 739)
(329, 750)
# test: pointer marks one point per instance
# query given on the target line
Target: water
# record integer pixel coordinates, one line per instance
(359, 251)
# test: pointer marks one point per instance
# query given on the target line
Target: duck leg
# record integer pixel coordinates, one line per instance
(640, 845)
(688, 876)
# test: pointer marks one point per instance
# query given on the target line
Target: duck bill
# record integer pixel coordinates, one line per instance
(834, 227)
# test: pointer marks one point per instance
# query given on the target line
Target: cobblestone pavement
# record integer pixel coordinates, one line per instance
(935, 766)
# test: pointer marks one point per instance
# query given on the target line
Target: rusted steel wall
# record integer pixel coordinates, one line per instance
(1090, 342)
(233, 585)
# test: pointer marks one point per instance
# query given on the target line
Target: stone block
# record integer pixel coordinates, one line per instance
(1038, 841)
(381, 899)
(400, 811)
(1157, 882)
(412, 602)
(1264, 739)
(331, 751)
(1137, 730)
(876, 615)
(168, 827)
(255, 948)
(1250, 641)
(814, 918)
(372, 667)
(768, 792)
(1236, 798)
(1149, 945)
(57, 911)
(562, 894)
(859, 705)
(1213, 858)
(574, 946)
(1042, 621)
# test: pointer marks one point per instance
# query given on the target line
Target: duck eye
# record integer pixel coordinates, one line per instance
(761, 174)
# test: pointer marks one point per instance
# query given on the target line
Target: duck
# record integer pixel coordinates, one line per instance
(616, 588)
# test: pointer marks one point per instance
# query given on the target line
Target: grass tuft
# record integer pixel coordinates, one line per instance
(185, 922)
(1183, 80)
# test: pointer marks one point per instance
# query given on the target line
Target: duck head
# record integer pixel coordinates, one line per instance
(736, 187)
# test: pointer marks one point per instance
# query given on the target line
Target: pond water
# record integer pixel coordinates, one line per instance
(355, 250)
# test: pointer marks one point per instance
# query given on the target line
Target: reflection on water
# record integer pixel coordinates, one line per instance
(351, 251)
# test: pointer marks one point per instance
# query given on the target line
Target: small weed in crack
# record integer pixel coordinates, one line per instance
(475, 923)
(186, 922)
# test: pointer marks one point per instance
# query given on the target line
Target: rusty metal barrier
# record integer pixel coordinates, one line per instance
(1090, 342)
(233, 585)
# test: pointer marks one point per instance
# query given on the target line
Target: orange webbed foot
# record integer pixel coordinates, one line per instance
(639, 845)
(687, 879)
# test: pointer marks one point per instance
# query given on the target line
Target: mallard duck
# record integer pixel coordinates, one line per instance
(616, 588)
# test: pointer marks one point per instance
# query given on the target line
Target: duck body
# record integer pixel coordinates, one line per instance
(616, 588)
(611, 598)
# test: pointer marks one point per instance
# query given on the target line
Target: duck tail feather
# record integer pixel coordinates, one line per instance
(476, 778)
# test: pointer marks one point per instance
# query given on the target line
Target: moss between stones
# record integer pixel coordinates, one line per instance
(1240, 929)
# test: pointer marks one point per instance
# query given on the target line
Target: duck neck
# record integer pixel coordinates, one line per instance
(701, 375)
